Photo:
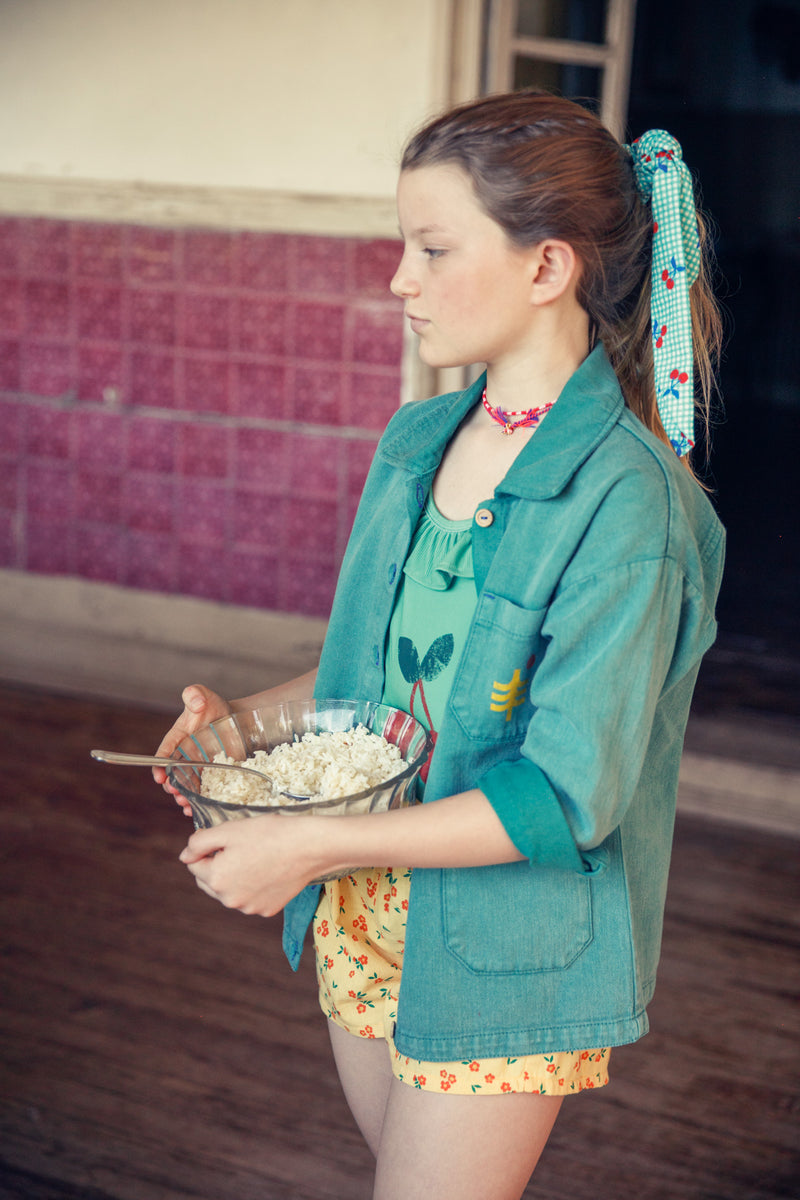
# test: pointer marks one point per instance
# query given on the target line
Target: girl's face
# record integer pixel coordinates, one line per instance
(467, 289)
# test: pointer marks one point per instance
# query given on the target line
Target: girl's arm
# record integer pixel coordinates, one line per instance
(301, 688)
(258, 865)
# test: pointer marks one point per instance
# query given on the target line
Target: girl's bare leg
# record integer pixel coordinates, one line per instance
(365, 1074)
(453, 1147)
(460, 1147)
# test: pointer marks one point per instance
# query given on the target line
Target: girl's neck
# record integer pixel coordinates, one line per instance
(539, 376)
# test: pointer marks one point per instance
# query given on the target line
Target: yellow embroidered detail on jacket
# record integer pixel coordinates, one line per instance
(508, 696)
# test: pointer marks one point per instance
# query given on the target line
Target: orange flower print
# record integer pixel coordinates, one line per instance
(474, 1066)
(362, 1008)
(488, 1078)
(322, 929)
(447, 1081)
(505, 1087)
(551, 1068)
(367, 1031)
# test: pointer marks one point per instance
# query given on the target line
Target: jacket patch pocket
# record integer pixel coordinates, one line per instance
(516, 919)
(491, 690)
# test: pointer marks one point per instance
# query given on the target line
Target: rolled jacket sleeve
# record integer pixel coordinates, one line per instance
(531, 813)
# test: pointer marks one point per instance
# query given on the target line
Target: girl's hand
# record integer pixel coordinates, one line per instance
(258, 864)
(201, 706)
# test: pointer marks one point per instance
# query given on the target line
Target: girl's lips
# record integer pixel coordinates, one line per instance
(417, 323)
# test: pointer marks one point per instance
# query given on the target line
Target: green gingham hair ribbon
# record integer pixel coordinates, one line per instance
(664, 179)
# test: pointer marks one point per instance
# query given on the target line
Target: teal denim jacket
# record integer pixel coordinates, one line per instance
(597, 577)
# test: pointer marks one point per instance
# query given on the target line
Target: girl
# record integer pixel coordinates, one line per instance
(533, 570)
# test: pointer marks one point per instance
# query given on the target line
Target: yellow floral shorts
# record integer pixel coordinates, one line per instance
(359, 934)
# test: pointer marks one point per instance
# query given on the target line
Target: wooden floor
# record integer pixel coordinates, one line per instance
(156, 1046)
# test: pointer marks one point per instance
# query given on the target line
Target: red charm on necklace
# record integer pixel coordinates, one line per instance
(528, 418)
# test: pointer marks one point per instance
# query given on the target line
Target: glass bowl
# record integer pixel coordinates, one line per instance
(242, 733)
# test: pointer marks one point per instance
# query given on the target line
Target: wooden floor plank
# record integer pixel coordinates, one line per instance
(157, 1047)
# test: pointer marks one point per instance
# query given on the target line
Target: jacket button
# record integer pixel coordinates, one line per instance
(484, 517)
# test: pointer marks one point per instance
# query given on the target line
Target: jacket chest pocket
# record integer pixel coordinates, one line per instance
(491, 690)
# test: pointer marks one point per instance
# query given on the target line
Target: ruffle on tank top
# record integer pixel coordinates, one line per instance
(441, 550)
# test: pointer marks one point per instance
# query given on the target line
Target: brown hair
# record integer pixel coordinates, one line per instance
(545, 167)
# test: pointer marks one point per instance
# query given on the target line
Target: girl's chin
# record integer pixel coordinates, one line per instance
(439, 361)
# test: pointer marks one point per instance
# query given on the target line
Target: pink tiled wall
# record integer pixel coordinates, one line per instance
(190, 411)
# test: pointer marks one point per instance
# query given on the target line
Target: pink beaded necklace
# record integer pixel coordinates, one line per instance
(529, 418)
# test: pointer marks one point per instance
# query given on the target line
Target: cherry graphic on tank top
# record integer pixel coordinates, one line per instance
(418, 673)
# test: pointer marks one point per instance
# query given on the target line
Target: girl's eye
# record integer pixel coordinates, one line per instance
(432, 252)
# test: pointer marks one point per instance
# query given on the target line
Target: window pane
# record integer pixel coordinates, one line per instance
(576, 82)
(578, 20)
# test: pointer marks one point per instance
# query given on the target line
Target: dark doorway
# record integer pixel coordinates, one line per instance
(723, 76)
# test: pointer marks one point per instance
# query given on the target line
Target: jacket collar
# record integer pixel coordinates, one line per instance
(587, 410)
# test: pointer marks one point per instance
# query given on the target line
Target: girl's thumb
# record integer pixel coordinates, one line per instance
(194, 699)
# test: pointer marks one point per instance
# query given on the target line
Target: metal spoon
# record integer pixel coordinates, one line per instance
(151, 760)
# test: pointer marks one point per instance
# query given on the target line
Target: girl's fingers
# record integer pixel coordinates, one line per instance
(255, 865)
(196, 701)
(200, 707)
(205, 888)
(203, 844)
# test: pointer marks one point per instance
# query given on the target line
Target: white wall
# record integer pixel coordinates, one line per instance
(310, 96)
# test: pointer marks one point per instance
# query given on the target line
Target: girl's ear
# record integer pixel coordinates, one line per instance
(554, 270)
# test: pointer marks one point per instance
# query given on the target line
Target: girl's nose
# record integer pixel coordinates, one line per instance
(402, 284)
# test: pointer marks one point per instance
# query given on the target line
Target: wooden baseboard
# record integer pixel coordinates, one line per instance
(752, 794)
(96, 639)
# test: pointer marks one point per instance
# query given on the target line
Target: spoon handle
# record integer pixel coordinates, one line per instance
(132, 760)
(152, 760)
(146, 760)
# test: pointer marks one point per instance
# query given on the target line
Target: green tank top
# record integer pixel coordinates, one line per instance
(431, 617)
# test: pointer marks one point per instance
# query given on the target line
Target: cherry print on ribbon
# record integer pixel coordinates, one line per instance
(669, 274)
(677, 378)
